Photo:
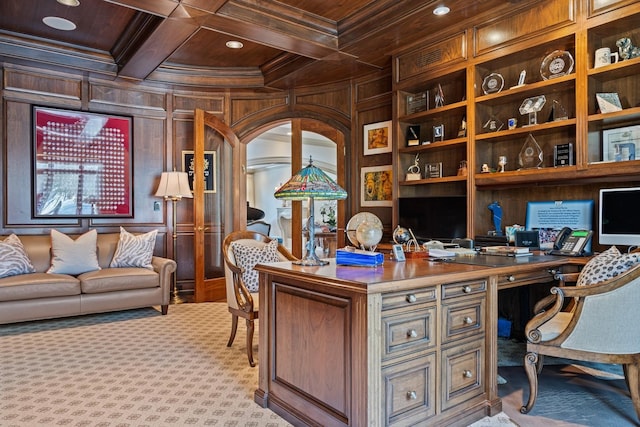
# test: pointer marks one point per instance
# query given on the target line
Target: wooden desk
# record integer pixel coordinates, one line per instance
(399, 344)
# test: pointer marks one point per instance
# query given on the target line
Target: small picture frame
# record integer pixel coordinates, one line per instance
(433, 170)
(376, 186)
(608, 102)
(621, 144)
(398, 253)
(438, 133)
(377, 138)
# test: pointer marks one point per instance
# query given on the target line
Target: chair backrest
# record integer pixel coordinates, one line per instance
(259, 226)
(248, 238)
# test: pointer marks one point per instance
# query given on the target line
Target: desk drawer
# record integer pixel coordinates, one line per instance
(462, 373)
(452, 290)
(408, 298)
(409, 390)
(524, 278)
(463, 319)
(409, 332)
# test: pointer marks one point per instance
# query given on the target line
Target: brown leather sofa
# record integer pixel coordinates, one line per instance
(42, 295)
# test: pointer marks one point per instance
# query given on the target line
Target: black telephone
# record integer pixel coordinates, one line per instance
(571, 242)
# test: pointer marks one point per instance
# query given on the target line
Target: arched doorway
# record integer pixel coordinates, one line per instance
(289, 153)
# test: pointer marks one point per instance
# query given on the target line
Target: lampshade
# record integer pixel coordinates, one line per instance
(310, 182)
(174, 185)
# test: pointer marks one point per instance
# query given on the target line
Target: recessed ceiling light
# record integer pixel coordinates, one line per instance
(72, 3)
(233, 44)
(59, 23)
(441, 10)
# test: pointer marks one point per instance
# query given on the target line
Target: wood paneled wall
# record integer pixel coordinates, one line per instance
(162, 129)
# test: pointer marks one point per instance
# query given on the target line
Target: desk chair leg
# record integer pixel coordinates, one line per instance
(531, 368)
(250, 342)
(234, 329)
(632, 376)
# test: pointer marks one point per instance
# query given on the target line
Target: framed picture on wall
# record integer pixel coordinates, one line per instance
(377, 138)
(376, 188)
(209, 169)
(82, 164)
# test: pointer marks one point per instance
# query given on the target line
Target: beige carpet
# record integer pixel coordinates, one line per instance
(133, 368)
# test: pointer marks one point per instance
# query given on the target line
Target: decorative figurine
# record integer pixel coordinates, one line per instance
(413, 171)
(502, 161)
(496, 209)
(626, 49)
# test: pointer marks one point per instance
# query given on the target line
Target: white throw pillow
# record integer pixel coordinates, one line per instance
(13, 258)
(606, 265)
(248, 256)
(70, 256)
(134, 251)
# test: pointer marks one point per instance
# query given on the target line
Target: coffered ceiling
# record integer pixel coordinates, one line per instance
(286, 43)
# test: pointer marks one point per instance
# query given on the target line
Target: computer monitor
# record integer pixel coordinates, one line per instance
(618, 222)
(434, 218)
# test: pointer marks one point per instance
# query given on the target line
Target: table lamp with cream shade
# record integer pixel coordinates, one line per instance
(174, 186)
(310, 183)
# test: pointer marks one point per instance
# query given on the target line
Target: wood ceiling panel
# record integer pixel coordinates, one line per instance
(206, 48)
(335, 10)
(99, 23)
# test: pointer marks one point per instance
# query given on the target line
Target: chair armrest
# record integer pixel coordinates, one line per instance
(243, 297)
(164, 267)
(556, 298)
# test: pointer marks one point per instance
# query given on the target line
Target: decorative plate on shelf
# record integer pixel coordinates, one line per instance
(557, 64)
(493, 83)
(358, 219)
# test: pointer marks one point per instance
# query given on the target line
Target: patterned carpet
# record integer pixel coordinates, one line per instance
(138, 368)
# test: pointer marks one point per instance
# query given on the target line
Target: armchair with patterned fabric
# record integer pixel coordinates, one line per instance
(600, 326)
(242, 250)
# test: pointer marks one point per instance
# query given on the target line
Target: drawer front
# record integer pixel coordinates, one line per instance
(409, 390)
(463, 319)
(524, 278)
(409, 331)
(462, 373)
(452, 290)
(408, 298)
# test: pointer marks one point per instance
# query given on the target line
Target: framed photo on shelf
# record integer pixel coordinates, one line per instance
(377, 138)
(433, 170)
(82, 164)
(438, 133)
(209, 169)
(608, 102)
(376, 186)
(621, 144)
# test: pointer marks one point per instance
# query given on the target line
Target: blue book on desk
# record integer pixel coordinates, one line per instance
(358, 257)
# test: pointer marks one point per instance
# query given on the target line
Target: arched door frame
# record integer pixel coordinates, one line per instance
(298, 125)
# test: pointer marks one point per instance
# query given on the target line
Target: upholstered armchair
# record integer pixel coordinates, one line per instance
(242, 251)
(600, 326)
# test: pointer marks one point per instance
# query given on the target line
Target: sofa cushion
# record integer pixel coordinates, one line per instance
(13, 258)
(118, 279)
(70, 256)
(38, 285)
(134, 251)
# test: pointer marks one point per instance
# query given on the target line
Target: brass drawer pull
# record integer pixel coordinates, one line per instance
(411, 333)
(467, 373)
(466, 289)
(412, 395)
(411, 298)
(467, 320)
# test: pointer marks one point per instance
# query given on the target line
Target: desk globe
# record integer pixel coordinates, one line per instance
(401, 235)
(369, 235)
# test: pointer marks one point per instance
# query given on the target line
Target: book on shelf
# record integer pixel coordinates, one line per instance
(506, 250)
